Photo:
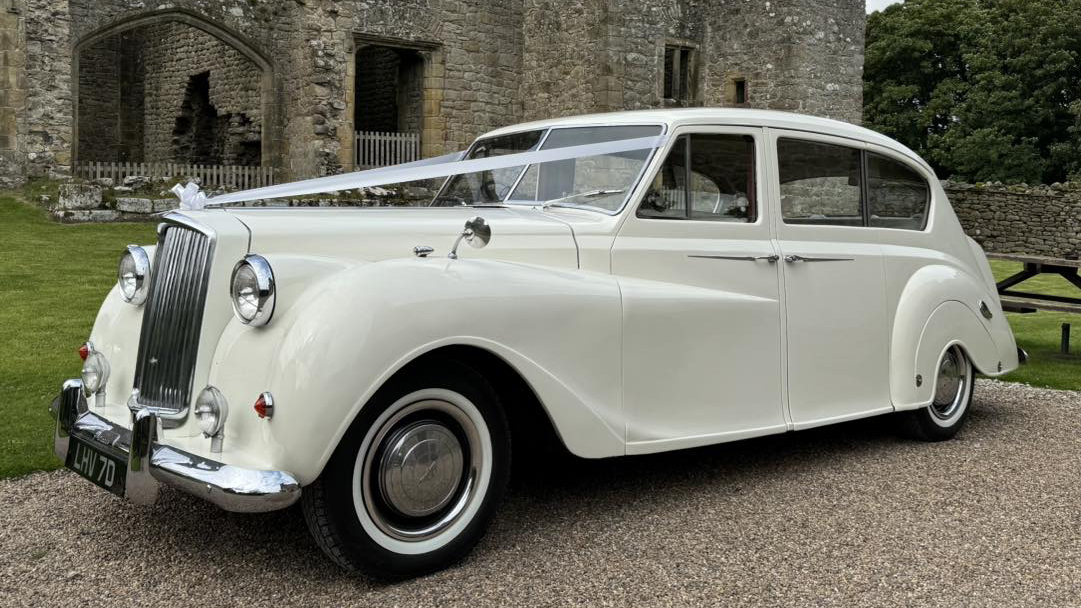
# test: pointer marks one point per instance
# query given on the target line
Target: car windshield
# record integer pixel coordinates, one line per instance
(600, 182)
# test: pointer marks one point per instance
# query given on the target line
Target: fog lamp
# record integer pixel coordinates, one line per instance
(95, 373)
(211, 410)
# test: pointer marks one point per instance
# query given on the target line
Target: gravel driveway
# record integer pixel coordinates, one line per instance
(842, 516)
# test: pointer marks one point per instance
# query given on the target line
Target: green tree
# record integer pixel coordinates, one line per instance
(984, 89)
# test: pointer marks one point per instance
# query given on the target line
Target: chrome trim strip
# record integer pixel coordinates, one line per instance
(799, 258)
(740, 258)
(151, 463)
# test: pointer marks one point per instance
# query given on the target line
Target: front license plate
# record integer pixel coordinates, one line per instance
(103, 469)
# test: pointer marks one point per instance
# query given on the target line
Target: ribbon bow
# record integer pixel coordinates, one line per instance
(191, 198)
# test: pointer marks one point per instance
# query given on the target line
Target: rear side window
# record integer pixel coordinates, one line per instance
(718, 184)
(820, 183)
(831, 185)
(898, 197)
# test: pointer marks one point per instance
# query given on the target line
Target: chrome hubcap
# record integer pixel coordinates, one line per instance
(951, 386)
(421, 468)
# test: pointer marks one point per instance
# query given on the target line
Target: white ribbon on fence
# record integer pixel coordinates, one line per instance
(441, 166)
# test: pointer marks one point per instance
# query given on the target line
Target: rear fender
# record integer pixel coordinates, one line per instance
(939, 307)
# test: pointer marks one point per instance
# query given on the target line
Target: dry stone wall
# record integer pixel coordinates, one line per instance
(1041, 220)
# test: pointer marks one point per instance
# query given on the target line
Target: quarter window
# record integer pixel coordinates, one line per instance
(717, 185)
(820, 183)
(898, 197)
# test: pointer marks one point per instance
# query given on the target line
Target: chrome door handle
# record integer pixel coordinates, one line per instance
(739, 258)
(799, 258)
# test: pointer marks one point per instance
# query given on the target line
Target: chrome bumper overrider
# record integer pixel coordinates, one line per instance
(151, 464)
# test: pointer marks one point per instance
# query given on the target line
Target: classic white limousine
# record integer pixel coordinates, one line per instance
(638, 282)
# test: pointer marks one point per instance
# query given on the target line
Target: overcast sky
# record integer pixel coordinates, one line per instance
(877, 5)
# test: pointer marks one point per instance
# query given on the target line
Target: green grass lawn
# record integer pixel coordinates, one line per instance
(1039, 334)
(53, 278)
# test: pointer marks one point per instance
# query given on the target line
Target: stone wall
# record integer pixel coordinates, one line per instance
(173, 54)
(12, 93)
(377, 89)
(48, 120)
(484, 64)
(99, 100)
(1042, 220)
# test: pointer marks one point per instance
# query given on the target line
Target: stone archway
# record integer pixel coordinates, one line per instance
(177, 88)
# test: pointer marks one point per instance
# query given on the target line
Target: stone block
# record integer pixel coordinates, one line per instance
(135, 205)
(86, 215)
(136, 181)
(166, 204)
(79, 196)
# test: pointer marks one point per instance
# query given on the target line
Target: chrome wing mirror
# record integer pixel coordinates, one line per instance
(477, 233)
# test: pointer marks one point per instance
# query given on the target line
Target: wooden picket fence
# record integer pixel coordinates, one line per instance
(232, 176)
(376, 149)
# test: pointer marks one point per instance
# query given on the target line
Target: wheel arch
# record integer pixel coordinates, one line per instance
(530, 421)
(939, 308)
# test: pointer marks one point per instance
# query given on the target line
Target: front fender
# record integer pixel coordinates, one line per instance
(333, 345)
(940, 307)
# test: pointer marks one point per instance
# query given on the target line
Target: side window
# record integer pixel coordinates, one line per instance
(717, 185)
(897, 196)
(820, 183)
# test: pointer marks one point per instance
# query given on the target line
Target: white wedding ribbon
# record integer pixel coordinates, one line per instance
(191, 198)
(442, 166)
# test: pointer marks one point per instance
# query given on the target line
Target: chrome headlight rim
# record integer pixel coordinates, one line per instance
(140, 272)
(265, 290)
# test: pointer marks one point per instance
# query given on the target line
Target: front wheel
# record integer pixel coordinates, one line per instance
(417, 478)
(946, 414)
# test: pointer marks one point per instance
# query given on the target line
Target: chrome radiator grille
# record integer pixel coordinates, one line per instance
(172, 318)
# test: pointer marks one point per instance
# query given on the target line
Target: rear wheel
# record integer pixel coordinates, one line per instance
(418, 477)
(945, 415)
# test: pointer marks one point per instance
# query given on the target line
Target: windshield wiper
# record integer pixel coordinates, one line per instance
(460, 202)
(559, 202)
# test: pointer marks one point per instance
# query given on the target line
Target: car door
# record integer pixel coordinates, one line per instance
(699, 278)
(834, 280)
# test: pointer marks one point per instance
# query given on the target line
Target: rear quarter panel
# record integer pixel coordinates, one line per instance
(935, 282)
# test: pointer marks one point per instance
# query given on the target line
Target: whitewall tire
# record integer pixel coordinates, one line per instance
(418, 477)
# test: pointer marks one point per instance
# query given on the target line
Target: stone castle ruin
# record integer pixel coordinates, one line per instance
(298, 84)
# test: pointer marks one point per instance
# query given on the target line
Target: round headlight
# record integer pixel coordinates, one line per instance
(133, 274)
(253, 290)
(95, 373)
(211, 410)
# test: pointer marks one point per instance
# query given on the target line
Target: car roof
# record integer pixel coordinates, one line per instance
(677, 117)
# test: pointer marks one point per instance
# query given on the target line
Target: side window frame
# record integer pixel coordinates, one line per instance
(760, 171)
(928, 181)
(865, 149)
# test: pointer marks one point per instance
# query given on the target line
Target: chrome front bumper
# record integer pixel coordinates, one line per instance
(151, 464)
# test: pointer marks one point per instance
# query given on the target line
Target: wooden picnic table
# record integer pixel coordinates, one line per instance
(1024, 301)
